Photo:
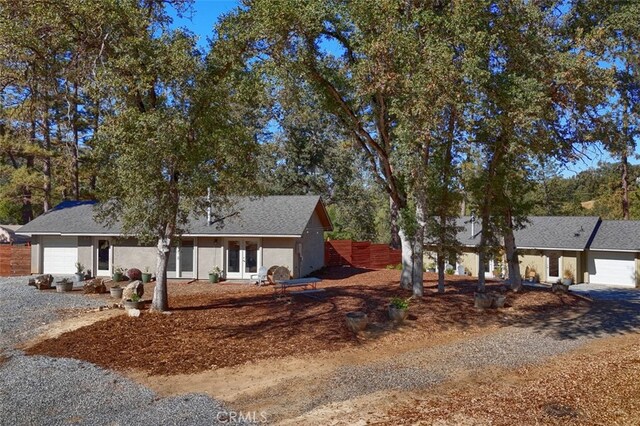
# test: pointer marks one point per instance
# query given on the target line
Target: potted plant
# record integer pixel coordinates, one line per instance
(79, 275)
(133, 302)
(214, 275)
(118, 272)
(398, 309)
(64, 285)
(146, 275)
(431, 267)
(567, 277)
(356, 321)
(116, 291)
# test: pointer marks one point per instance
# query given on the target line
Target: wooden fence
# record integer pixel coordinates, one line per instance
(14, 260)
(361, 254)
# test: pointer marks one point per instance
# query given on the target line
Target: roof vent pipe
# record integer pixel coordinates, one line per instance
(208, 206)
(473, 225)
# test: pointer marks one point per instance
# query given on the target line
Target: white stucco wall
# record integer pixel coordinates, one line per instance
(278, 251)
(312, 247)
(36, 254)
(210, 254)
(128, 254)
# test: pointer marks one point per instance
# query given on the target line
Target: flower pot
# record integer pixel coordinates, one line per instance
(356, 321)
(567, 281)
(79, 277)
(130, 304)
(116, 276)
(483, 301)
(214, 278)
(116, 292)
(146, 277)
(61, 287)
(397, 315)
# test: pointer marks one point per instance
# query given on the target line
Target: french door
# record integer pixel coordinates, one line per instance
(243, 258)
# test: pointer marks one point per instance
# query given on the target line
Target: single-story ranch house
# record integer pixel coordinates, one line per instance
(276, 230)
(596, 251)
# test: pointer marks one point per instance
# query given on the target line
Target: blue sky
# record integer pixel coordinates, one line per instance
(206, 13)
(204, 16)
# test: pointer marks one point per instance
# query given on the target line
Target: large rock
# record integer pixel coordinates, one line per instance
(42, 282)
(134, 274)
(133, 287)
(94, 286)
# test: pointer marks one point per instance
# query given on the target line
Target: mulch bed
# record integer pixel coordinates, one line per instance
(598, 388)
(221, 325)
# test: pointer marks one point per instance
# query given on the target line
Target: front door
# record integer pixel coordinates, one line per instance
(489, 267)
(104, 254)
(243, 258)
(553, 265)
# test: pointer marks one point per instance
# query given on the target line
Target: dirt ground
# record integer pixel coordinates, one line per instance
(596, 385)
(236, 342)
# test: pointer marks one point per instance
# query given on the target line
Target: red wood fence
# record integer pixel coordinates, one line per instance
(14, 260)
(360, 254)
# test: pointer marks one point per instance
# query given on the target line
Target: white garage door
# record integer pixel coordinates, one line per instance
(613, 268)
(59, 255)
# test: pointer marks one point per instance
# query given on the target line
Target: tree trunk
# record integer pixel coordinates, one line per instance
(417, 273)
(482, 250)
(513, 264)
(407, 261)
(418, 251)
(440, 261)
(160, 301)
(394, 241)
(46, 169)
(76, 146)
(625, 184)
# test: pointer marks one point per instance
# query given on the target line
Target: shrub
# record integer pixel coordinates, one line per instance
(450, 271)
(134, 274)
(400, 303)
(399, 267)
(390, 267)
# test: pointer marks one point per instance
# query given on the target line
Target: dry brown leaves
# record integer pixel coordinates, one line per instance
(598, 387)
(214, 326)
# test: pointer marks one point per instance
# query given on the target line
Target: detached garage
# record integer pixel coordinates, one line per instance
(59, 255)
(615, 254)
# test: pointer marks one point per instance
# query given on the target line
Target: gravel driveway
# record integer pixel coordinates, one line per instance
(37, 390)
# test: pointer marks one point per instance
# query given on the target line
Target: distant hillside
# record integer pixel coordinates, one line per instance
(595, 192)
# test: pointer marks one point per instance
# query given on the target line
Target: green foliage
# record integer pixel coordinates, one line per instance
(134, 297)
(399, 303)
(450, 271)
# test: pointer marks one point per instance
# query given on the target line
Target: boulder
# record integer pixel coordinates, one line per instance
(133, 312)
(42, 282)
(133, 287)
(94, 286)
(134, 274)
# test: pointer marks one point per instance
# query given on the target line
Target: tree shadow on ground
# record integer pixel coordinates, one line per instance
(600, 319)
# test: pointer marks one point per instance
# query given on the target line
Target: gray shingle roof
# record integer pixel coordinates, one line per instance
(273, 215)
(541, 232)
(617, 235)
